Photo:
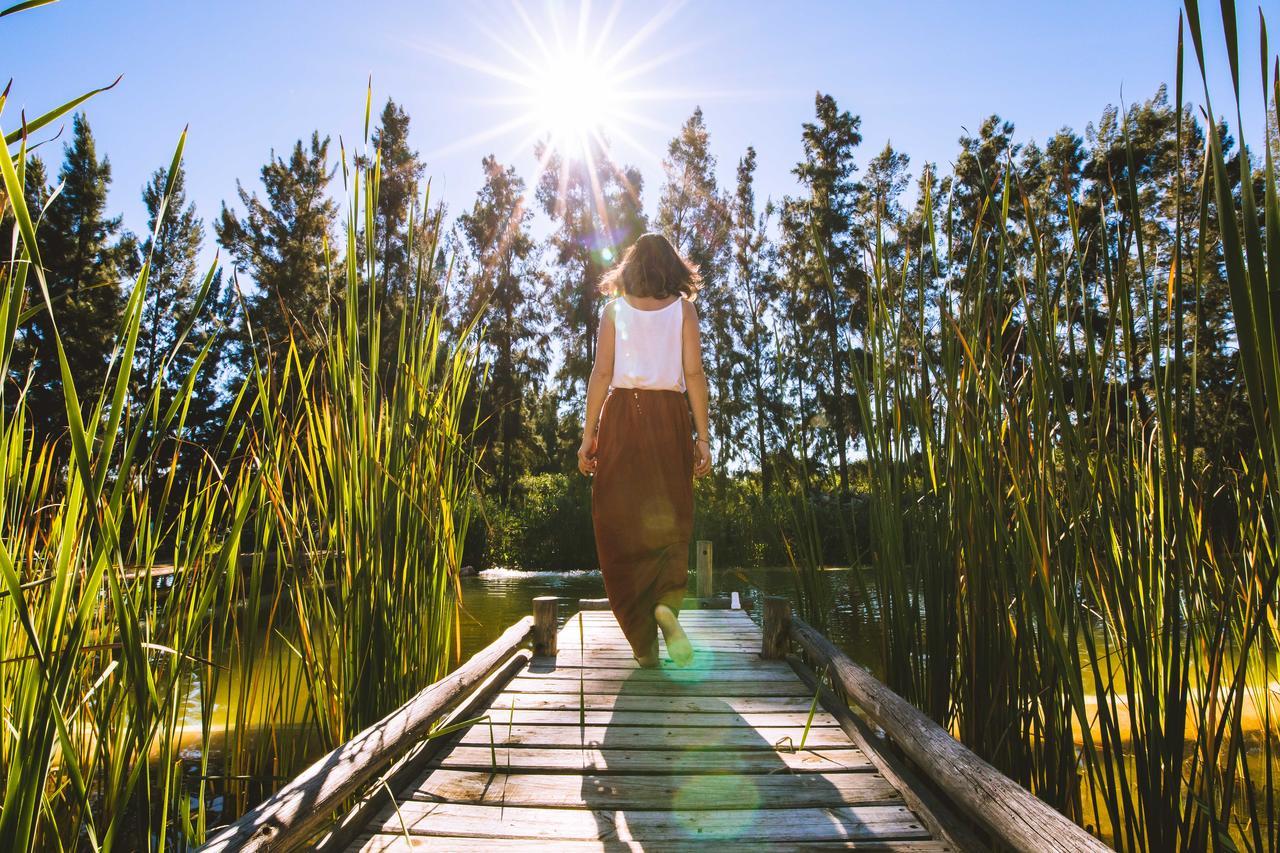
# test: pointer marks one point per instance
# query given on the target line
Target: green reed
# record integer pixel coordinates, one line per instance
(1048, 581)
(334, 533)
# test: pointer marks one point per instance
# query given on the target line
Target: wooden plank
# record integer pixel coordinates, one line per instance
(716, 642)
(710, 617)
(542, 824)
(616, 791)
(674, 687)
(691, 626)
(569, 716)
(398, 843)
(650, 737)
(665, 761)
(677, 674)
(703, 660)
(653, 702)
(1010, 812)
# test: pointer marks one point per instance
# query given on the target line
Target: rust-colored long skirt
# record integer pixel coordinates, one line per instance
(642, 506)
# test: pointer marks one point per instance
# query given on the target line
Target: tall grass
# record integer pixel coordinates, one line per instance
(1048, 579)
(332, 537)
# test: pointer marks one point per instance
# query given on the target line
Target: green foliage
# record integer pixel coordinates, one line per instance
(283, 243)
(325, 524)
(1053, 578)
(85, 258)
(503, 298)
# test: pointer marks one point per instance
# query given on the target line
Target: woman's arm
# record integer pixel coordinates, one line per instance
(597, 390)
(695, 383)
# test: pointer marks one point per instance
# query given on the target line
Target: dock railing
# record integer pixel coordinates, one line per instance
(293, 815)
(1006, 811)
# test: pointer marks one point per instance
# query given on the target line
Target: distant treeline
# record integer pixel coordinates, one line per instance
(784, 306)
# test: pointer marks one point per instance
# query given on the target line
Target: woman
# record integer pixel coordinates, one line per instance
(638, 444)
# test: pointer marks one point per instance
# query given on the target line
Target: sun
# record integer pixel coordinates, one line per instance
(575, 83)
(573, 101)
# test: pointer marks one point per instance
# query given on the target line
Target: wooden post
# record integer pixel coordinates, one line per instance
(544, 625)
(777, 628)
(705, 587)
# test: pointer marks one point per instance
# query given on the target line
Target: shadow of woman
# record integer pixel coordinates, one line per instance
(708, 754)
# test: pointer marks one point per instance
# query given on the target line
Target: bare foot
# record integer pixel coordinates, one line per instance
(677, 641)
(651, 660)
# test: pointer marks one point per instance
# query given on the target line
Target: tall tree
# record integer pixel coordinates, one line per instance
(176, 325)
(754, 292)
(503, 291)
(173, 246)
(595, 205)
(85, 258)
(281, 243)
(401, 170)
(694, 215)
(821, 255)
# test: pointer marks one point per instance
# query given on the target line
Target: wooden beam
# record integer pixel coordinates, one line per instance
(294, 813)
(777, 628)
(544, 625)
(409, 768)
(705, 585)
(1011, 813)
(942, 821)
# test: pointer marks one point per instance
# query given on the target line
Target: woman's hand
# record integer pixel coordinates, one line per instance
(587, 455)
(701, 458)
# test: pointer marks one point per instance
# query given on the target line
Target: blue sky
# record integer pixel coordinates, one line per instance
(251, 76)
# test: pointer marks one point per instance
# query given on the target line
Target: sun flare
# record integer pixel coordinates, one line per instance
(579, 82)
(574, 100)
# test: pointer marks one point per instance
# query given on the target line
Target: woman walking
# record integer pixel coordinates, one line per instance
(638, 442)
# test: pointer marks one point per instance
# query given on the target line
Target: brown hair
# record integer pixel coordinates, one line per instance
(653, 268)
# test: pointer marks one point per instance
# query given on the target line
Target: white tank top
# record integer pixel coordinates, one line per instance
(648, 349)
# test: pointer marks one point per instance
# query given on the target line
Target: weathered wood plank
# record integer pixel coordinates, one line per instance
(673, 674)
(726, 719)
(397, 843)
(595, 760)
(673, 687)
(774, 825)
(716, 642)
(650, 737)
(653, 702)
(617, 791)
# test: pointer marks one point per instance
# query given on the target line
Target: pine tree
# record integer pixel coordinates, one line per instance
(694, 216)
(596, 207)
(401, 170)
(754, 292)
(176, 326)
(173, 246)
(281, 243)
(503, 290)
(85, 259)
(821, 257)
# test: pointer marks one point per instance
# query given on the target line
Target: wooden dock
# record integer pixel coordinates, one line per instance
(554, 739)
(589, 752)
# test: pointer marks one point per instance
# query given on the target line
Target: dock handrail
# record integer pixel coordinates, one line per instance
(1005, 809)
(304, 805)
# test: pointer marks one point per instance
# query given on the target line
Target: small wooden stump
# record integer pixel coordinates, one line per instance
(704, 584)
(777, 628)
(544, 625)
